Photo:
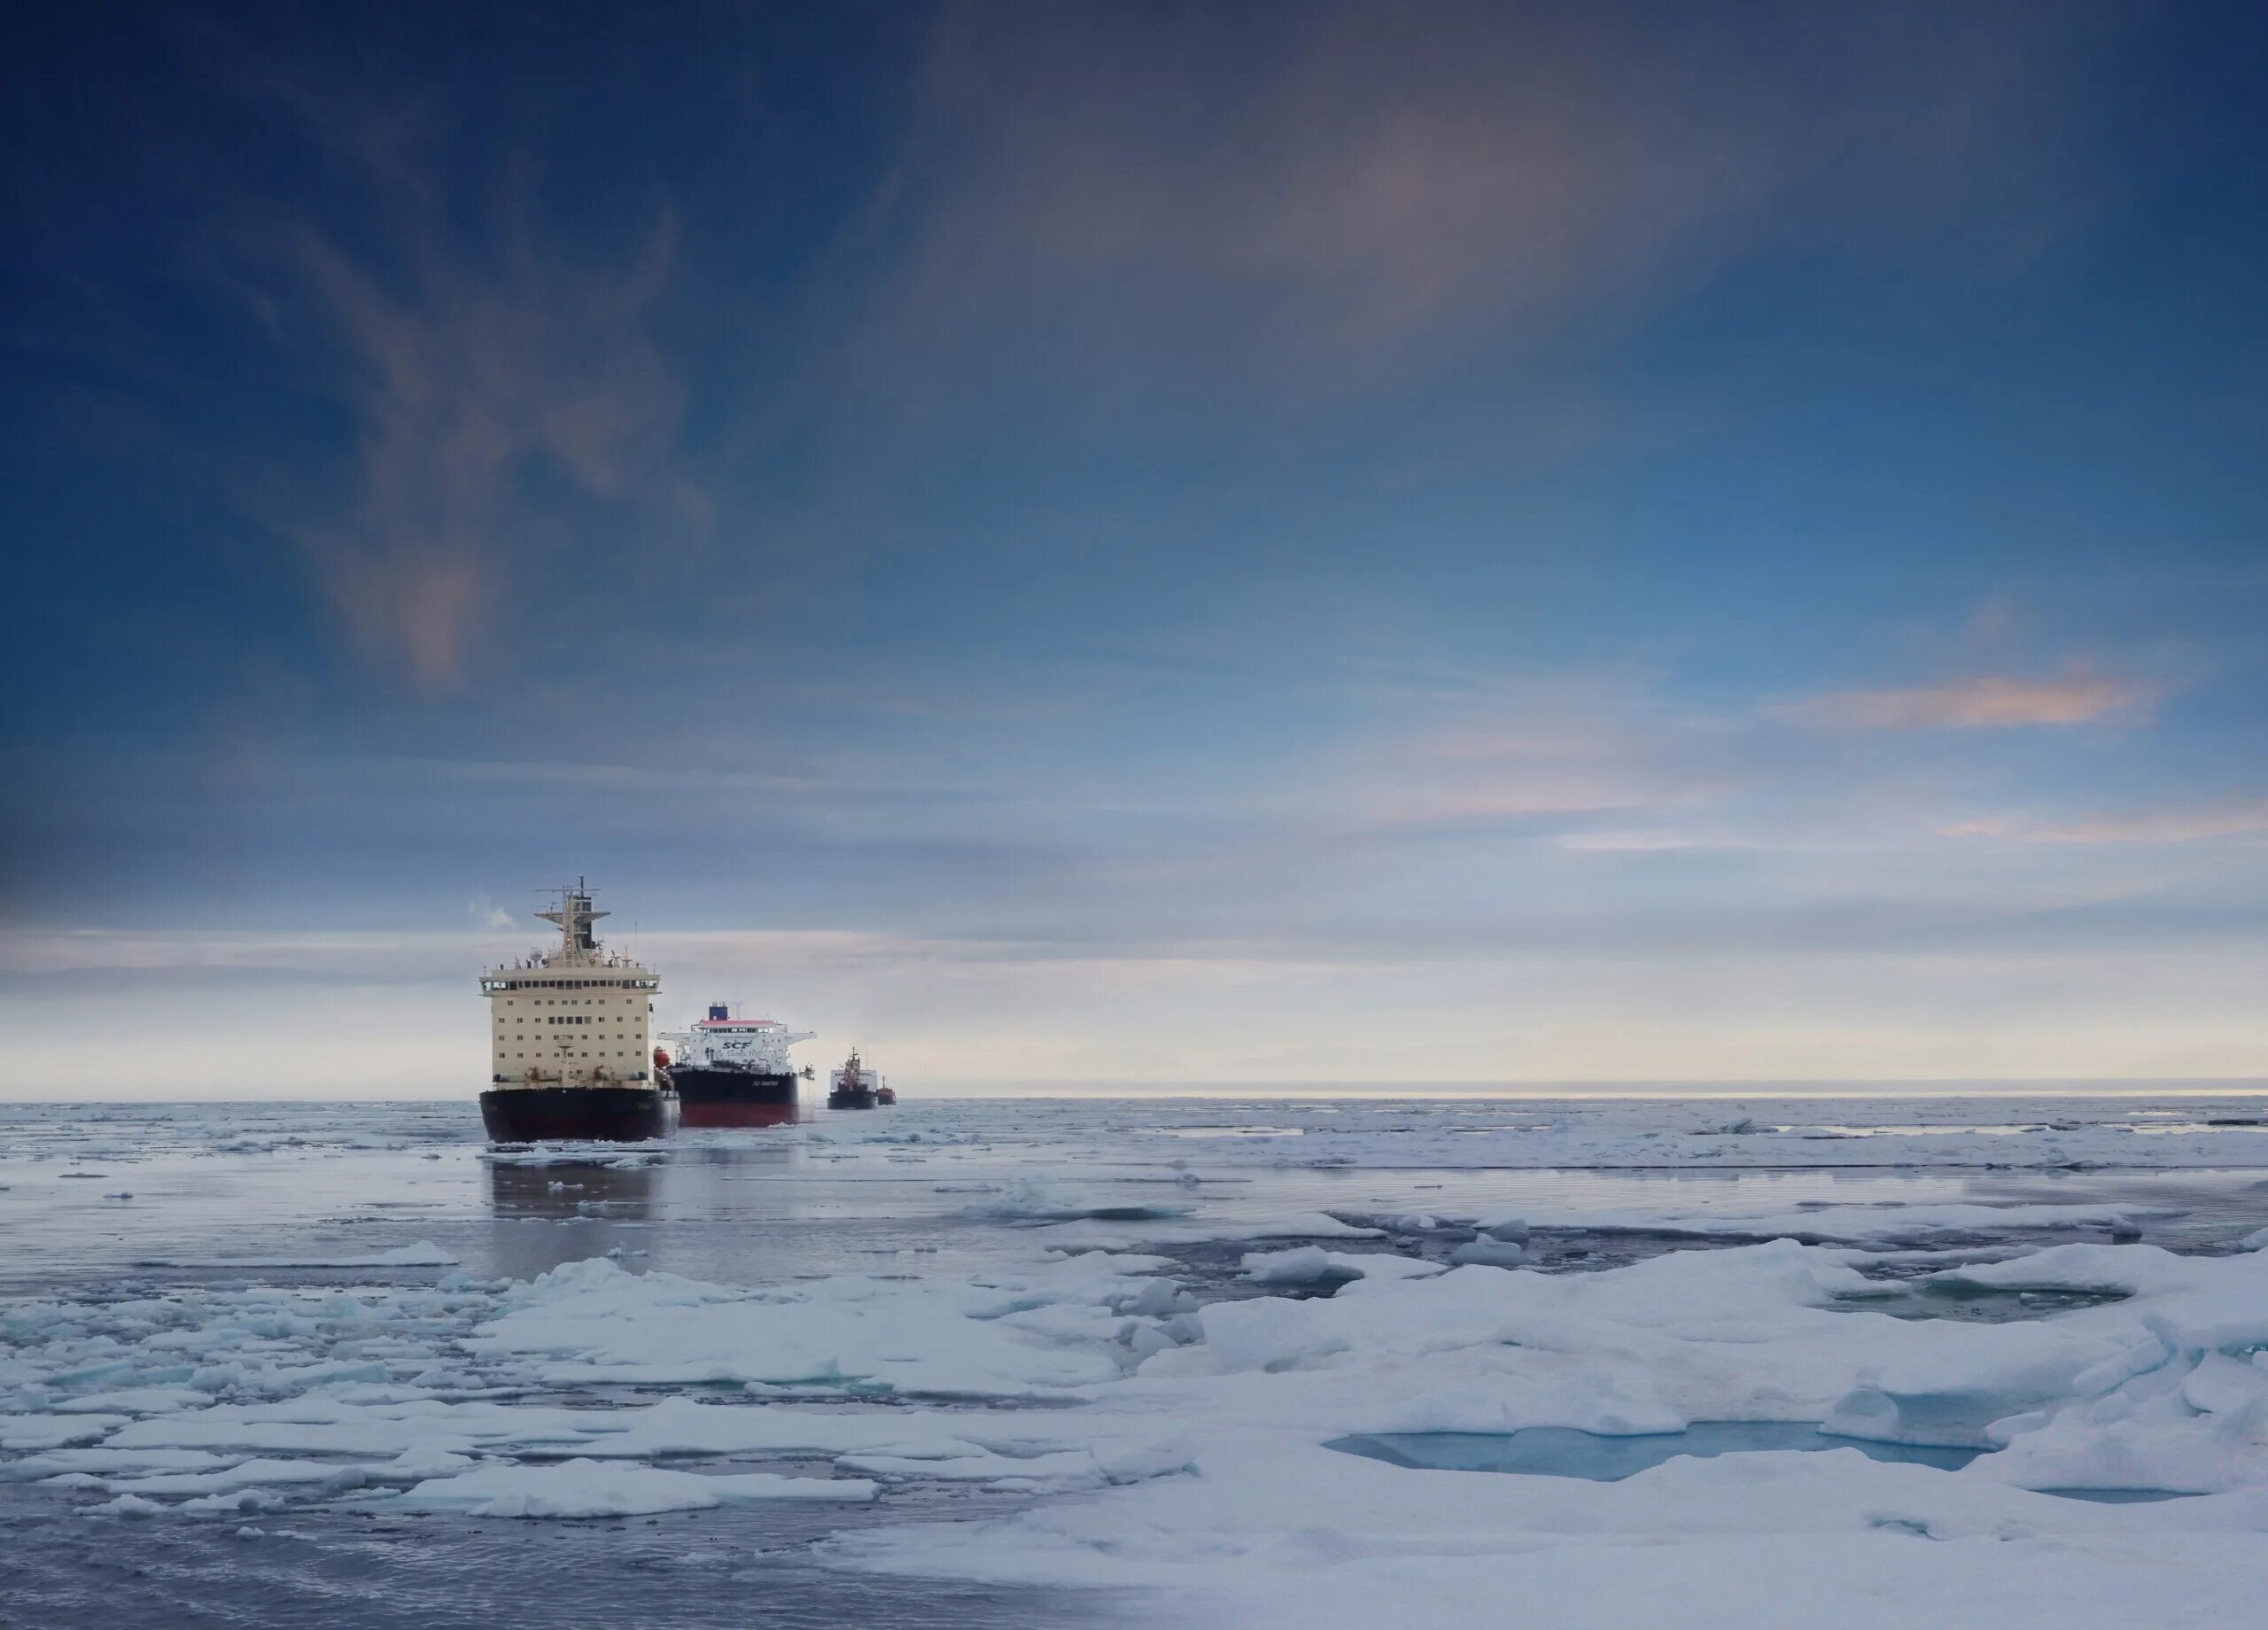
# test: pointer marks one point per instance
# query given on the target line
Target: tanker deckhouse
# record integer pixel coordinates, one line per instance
(572, 1040)
(734, 1072)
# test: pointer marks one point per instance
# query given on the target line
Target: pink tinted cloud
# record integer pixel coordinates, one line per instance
(1360, 186)
(2245, 818)
(457, 380)
(1981, 701)
(460, 365)
(1539, 749)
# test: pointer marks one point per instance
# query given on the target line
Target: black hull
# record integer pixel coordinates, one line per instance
(715, 1097)
(603, 1115)
(850, 1100)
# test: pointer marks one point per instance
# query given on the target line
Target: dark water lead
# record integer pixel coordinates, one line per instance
(736, 1568)
(1563, 1451)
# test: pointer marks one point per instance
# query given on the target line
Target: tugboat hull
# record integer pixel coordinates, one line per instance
(733, 1097)
(854, 1086)
(604, 1114)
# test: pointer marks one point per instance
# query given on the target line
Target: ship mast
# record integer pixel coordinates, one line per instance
(577, 942)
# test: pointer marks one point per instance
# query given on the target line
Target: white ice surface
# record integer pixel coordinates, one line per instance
(1026, 1331)
(597, 1488)
(1313, 1265)
(2163, 1391)
(48, 1432)
(1184, 1450)
(186, 1400)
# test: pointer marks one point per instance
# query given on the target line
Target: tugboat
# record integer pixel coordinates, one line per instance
(573, 1041)
(854, 1086)
(734, 1072)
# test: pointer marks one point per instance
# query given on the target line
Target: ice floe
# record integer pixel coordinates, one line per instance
(599, 1488)
(183, 1402)
(1031, 1330)
(1313, 1265)
(1488, 1252)
(2162, 1390)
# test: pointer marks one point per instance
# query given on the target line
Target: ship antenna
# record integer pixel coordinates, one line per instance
(575, 917)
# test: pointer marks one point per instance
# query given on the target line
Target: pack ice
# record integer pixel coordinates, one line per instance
(1188, 1448)
(2165, 1391)
(231, 1400)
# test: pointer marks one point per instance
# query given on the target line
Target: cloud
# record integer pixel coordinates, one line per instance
(499, 389)
(2246, 818)
(1985, 702)
(464, 383)
(1494, 751)
(1365, 188)
(1646, 842)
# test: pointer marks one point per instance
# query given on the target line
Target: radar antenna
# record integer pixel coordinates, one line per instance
(575, 917)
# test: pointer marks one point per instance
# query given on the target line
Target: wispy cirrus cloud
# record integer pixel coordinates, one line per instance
(1981, 701)
(1327, 192)
(1494, 754)
(496, 385)
(464, 381)
(2243, 818)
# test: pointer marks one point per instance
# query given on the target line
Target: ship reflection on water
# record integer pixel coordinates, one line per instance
(562, 1193)
(626, 1187)
(649, 1207)
(606, 1206)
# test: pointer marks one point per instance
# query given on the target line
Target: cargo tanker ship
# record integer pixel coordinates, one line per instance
(733, 1072)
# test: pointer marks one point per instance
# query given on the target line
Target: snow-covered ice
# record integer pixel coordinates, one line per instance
(1045, 1326)
(2161, 1391)
(1139, 1336)
(601, 1488)
(1313, 1265)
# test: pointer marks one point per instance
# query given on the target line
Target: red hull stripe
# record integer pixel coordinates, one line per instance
(739, 1114)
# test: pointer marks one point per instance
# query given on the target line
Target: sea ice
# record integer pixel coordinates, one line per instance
(1488, 1252)
(248, 1474)
(598, 1488)
(2160, 1390)
(1313, 1265)
(49, 1431)
(1194, 1435)
(1024, 1330)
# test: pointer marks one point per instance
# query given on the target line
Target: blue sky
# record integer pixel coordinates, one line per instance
(1265, 544)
